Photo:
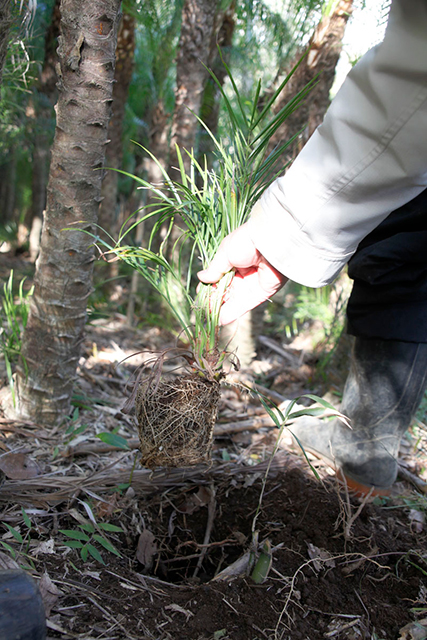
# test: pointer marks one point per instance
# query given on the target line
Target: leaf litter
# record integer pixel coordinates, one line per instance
(179, 531)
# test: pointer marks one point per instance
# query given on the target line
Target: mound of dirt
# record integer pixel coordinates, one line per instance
(339, 569)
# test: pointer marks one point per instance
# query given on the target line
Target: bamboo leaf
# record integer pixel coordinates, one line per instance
(95, 553)
(74, 534)
(14, 533)
(106, 526)
(114, 440)
(106, 544)
(73, 544)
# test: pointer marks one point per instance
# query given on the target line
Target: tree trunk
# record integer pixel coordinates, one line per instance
(222, 37)
(198, 22)
(5, 24)
(43, 101)
(324, 51)
(7, 187)
(63, 280)
(114, 154)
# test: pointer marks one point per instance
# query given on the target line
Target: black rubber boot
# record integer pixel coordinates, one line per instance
(382, 392)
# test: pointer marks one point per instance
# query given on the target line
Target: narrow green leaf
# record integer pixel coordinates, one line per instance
(73, 544)
(84, 553)
(76, 535)
(15, 533)
(26, 518)
(95, 553)
(87, 526)
(106, 544)
(307, 411)
(8, 548)
(106, 526)
(114, 440)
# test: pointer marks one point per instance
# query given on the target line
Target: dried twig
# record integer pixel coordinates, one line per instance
(53, 489)
(209, 525)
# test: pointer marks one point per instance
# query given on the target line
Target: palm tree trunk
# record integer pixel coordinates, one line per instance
(222, 37)
(114, 154)
(63, 280)
(198, 22)
(5, 24)
(321, 59)
(43, 101)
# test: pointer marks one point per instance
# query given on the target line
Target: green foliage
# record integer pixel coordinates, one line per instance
(421, 414)
(157, 34)
(74, 428)
(211, 204)
(8, 232)
(267, 36)
(114, 440)
(90, 536)
(298, 308)
(14, 316)
(19, 542)
(24, 59)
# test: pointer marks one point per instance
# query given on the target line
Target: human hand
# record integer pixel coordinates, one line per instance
(255, 279)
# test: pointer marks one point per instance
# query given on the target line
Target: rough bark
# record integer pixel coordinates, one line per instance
(7, 187)
(5, 24)
(321, 60)
(198, 22)
(222, 37)
(123, 75)
(63, 280)
(42, 105)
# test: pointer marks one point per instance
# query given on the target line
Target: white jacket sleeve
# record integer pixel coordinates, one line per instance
(368, 158)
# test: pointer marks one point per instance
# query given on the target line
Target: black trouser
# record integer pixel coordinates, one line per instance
(389, 269)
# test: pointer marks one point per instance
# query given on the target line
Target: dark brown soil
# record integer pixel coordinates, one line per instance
(320, 581)
(339, 569)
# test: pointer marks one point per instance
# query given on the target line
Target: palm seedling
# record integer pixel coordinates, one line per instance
(176, 415)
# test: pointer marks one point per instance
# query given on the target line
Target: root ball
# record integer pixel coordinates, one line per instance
(176, 418)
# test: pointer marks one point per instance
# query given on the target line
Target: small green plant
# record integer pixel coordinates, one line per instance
(74, 428)
(14, 316)
(325, 305)
(22, 539)
(281, 420)
(89, 536)
(211, 202)
(113, 439)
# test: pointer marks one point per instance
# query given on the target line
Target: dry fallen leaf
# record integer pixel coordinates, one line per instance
(49, 592)
(19, 466)
(146, 549)
(177, 607)
(46, 547)
(417, 520)
(414, 630)
(6, 562)
(320, 557)
(239, 568)
(195, 501)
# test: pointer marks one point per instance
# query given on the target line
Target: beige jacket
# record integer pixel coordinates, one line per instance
(368, 158)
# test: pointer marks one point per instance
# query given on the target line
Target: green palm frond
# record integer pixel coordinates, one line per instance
(211, 203)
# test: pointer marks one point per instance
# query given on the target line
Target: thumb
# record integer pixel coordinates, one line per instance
(219, 266)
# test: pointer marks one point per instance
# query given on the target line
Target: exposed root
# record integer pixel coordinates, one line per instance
(176, 418)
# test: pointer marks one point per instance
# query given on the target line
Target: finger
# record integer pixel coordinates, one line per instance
(219, 266)
(243, 295)
(247, 292)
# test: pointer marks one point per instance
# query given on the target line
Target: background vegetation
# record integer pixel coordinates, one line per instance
(258, 40)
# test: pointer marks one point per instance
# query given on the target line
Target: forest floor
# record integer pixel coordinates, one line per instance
(171, 549)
